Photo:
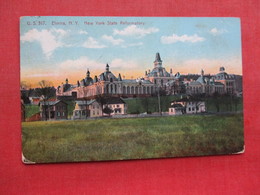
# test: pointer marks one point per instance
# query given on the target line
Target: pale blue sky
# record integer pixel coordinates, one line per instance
(186, 45)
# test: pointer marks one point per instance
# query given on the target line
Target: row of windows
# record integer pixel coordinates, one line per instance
(93, 106)
(60, 107)
(59, 113)
(138, 90)
(114, 106)
(83, 113)
(94, 113)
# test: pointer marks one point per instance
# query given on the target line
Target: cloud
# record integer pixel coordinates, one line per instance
(93, 43)
(42, 75)
(132, 44)
(133, 30)
(81, 64)
(215, 31)
(183, 38)
(211, 66)
(120, 64)
(83, 32)
(75, 69)
(112, 40)
(49, 39)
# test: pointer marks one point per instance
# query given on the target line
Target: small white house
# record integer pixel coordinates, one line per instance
(176, 109)
(117, 105)
(84, 109)
(92, 108)
(195, 107)
(187, 106)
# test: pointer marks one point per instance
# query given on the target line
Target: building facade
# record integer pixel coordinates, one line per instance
(187, 106)
(158, 79)
(94, 108)
(53, 110)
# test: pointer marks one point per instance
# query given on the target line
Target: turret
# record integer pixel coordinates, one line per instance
(171, 70)
(95, 79)
(67, 81)
(202, 72)
(107, 68)
(221, 69)
(119, 77)
(88, 73)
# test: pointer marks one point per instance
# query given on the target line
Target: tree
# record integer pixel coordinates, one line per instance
(45, 92)
(101, 98)
(145, 103)
(216, 100)
(107, 110)
(25, 89)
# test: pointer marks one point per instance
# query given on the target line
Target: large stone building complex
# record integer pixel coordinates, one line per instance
(158, 79)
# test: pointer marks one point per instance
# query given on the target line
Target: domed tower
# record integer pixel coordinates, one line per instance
(157, 62)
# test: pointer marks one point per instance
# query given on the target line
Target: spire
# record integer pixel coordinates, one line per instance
(67, 81)
(157, 62)
(78, 83)
(107, 68)
(88, 73)
(158, 57)
(202, 72)
(171, 70)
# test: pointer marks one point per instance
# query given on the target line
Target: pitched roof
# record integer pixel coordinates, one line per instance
(176, 106)
(114, 101)
(51, 103)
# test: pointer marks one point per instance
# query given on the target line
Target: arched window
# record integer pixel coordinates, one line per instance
(111, 88)
(136, 90)
(132, 90)
(139, 90)
(124, 90)
(128, 90)
(115, 88)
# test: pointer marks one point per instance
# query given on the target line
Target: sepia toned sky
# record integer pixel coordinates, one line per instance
(56, 48)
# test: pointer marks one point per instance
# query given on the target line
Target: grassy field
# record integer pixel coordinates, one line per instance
(135, 138)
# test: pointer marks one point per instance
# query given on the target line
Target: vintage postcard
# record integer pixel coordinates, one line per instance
(117, 88)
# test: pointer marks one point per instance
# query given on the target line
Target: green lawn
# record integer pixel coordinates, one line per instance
(132, 138)
(31, 110)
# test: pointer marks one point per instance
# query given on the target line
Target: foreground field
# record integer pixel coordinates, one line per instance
(135, 138)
